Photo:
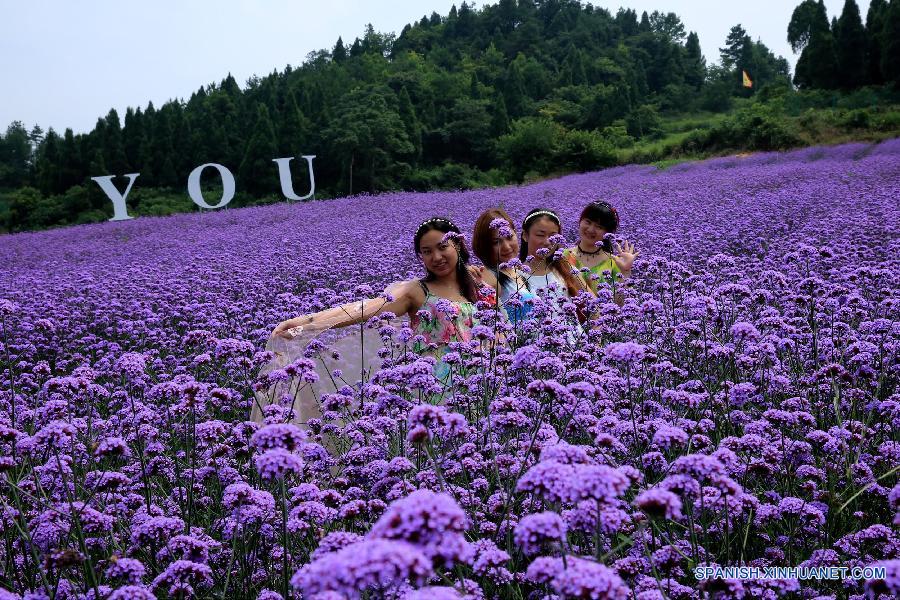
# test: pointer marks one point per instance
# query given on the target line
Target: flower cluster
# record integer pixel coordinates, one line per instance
(739, 402)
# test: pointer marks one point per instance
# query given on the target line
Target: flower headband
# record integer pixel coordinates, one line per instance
(436, 220)
(540, 213)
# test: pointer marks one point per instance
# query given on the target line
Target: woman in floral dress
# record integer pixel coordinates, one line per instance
(440, 306)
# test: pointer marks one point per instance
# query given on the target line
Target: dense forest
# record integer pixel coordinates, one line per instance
(477, 97)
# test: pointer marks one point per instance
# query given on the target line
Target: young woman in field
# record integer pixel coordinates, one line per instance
(440, 306)
(495, 243)
(448, 293)
(604, 261)
(541, 238)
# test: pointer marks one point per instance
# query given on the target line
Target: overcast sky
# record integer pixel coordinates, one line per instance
(63, 63)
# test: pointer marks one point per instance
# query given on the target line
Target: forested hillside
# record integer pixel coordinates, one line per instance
(479, 97)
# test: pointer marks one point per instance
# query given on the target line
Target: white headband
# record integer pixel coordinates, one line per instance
(540, 213)
(435, 220)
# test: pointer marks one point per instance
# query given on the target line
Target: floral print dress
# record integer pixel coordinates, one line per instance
(446, 321)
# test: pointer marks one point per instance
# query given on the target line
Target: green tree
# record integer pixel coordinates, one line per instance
(48, 171)
(133, 138)
(113, 147)
(294, 131)
(22, 205)
(734, 47)
(339, 53)
(694, 63)
(499, 116)
(850, 43)
(668, 25)
(583, 151)
(874, 32)
(531, 145)
(368, 137)
(257, 170)
(72, 168)
(15, 154)
(410, 122)
(890, 39)
(469, 126)
(810, 34)
(643, 121)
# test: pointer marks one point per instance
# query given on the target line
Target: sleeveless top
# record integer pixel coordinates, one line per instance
(542, 282)
(607, 265)
(447, 321)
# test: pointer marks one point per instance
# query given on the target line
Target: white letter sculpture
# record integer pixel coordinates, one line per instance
(120, 210)
(197, 195)
(284, 174)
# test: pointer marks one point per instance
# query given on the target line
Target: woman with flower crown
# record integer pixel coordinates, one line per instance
(495, 243)
(441, 308)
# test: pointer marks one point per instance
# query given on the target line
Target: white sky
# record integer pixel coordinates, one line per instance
(64, 63)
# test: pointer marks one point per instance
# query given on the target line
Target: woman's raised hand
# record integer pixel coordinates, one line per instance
(477, 273)
(624, 256)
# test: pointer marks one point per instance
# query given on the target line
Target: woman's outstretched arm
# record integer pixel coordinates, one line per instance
(403, 296)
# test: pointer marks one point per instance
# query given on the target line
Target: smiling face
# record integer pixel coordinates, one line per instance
(538, 234)
(505, 249)
(438, 257)
(590, 231)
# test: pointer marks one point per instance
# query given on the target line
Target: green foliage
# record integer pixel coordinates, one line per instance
(541, 146)
(368, 137)
(643, 122)
(850, 38)
(530, 146)
(810, 34)
(257, 171)
(755, 128)
(890, 44)
(875, 18)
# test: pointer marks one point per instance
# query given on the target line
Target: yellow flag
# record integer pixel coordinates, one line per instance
(747, 81)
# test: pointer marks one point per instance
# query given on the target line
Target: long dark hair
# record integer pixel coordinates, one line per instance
(605, 215)
(561, 267)
(466, 283)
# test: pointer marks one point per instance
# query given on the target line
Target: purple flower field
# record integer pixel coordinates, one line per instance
(740, 408)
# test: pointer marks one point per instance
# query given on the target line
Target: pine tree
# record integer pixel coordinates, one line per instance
(734, 47)
(71, 170)
(694, 63)
(810, 33)
(874, 30)
(890, 40)
(850, 42)
(644, 26)
(808, 18)
(132, 138)
(499, 118)
(514, 90)
(162, 148)
(411, 123)
(257, 170)
(293, 128)
(339, 54)
(48, 175)
(113, 148)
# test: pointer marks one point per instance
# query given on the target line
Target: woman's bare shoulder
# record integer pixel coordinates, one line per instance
(410, 289)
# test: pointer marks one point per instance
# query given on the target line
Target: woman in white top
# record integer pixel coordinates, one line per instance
(542, 239)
